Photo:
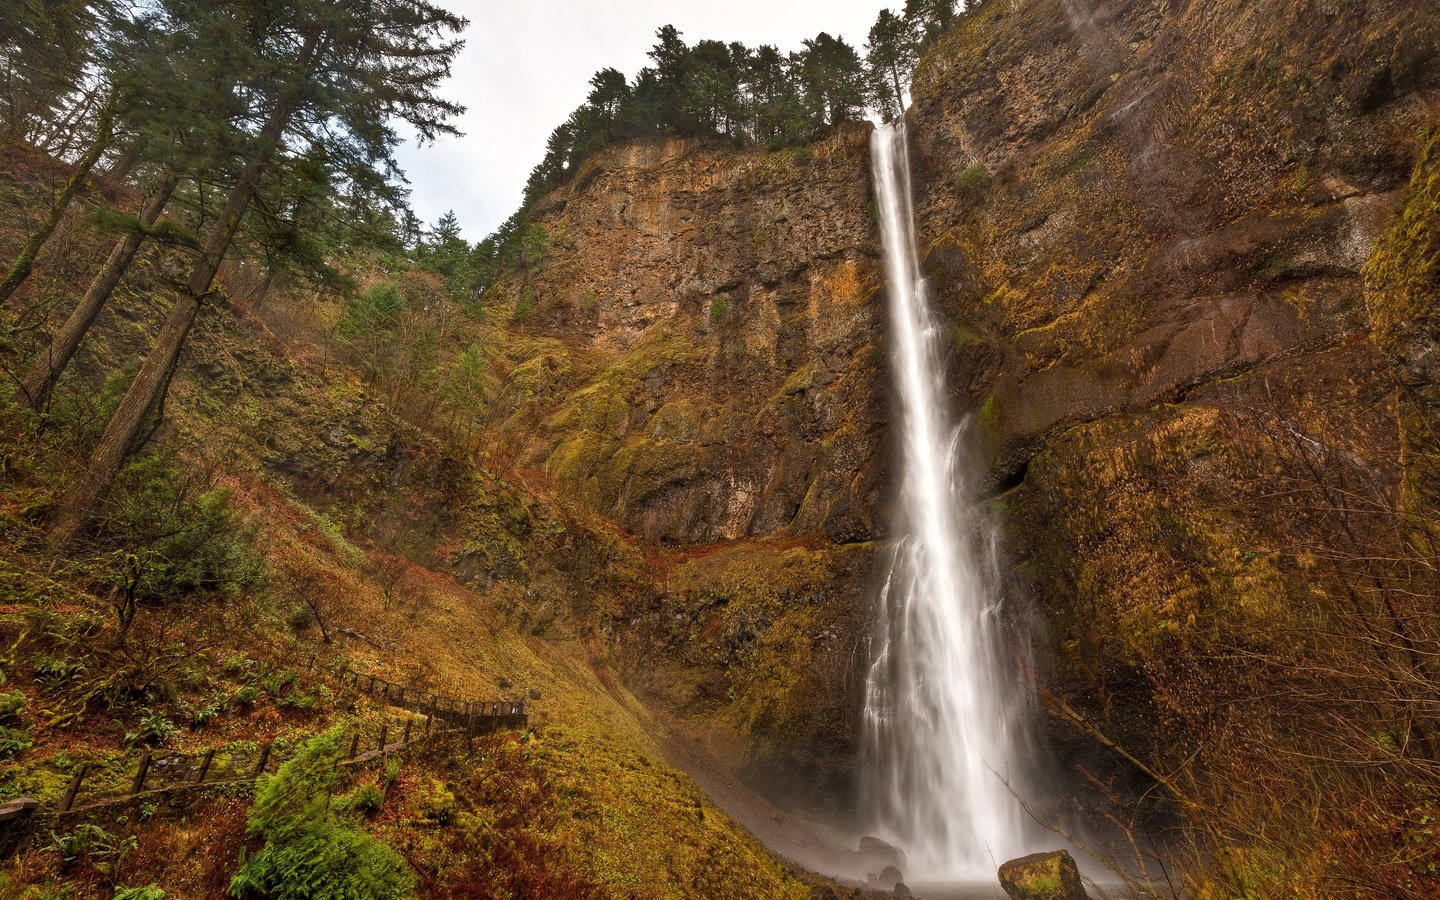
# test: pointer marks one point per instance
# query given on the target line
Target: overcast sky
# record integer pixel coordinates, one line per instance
(527, 63)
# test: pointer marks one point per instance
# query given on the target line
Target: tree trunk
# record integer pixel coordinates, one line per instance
(26, 260)
(146, 393)
(40, 379)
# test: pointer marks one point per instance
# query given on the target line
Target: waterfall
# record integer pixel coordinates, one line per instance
(942, 696)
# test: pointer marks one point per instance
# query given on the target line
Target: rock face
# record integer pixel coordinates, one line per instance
(1151, 228)
(695, 360)
(1164, 233)
(1043, 876)
(719, 320)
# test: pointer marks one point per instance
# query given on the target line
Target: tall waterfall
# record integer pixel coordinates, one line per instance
(942, 695)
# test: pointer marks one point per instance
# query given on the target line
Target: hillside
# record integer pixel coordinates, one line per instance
(1185, 260)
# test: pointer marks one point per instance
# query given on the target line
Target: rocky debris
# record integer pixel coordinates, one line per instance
(873, 850)
(1043, 876)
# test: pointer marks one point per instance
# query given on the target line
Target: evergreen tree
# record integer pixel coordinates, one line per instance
(608, 93)
(930, 18)
(331, 75)
(448, 255)
(174, 78)
(46, 50)
(672, 67)
(891, 53)
(832, 79)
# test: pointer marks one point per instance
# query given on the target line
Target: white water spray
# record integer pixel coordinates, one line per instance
(942, 700)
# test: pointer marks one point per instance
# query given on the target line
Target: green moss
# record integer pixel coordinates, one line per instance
(1402, 277)
(799, 380)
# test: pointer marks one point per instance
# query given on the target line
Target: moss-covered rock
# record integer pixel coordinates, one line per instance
(1043, 876)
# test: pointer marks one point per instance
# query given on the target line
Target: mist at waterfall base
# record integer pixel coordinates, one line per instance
(945, 705)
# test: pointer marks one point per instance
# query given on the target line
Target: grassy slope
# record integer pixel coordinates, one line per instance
(581, 804)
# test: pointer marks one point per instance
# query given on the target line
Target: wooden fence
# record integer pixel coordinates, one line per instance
(155, 772)
(474, 716)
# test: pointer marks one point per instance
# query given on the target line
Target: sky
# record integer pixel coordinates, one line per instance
(527, 64)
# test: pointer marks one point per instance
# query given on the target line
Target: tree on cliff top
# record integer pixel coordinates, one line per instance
(891, 53)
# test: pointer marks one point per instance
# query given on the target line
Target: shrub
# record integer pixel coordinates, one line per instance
(169, 536)
(13, 741)
(368, 798)
(103, 849)
(524, 305)
(148, 892)
(155, 729)
(974, 181)
(205, 713)
(717, 310)
(55, 672)
(375, 310)
(11, 702)
(300, 618)
(312, 849)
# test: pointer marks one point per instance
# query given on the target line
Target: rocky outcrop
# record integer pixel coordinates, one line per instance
(1151, 224)
(717, 318)
(695, 360)
(1043, 876)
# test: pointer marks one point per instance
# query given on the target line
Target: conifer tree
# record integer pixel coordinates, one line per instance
(24, 263)
(330, 77)
(46, 49)
(890, 57)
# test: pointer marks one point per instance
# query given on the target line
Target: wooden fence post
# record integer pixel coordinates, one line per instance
(406, 738)
(384, 733)
(74, 789)
(205, 766)
(140, 772)
(354, 743)
(428, 719)
(264, 759)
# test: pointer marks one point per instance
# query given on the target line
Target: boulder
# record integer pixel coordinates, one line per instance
(901, 890)
(889, 877)
(875, 850)
(1043, 876)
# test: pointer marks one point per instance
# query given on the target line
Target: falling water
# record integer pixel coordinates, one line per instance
(941, 697)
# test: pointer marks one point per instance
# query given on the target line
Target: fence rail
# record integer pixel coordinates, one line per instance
(162, 772)
(478, 715)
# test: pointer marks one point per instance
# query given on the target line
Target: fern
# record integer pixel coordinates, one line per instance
(313, 848)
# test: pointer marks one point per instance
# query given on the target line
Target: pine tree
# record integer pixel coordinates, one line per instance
(174, 79)
(24, 263)
(447, 254)
(891, 53)
(608, 92)
(833, 80)
(332, 75)
(930, 18)
(46, 46)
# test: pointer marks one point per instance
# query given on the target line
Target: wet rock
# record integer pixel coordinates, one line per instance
(1043, 876)
(901, 890)
(889, 877)
(874, 850)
